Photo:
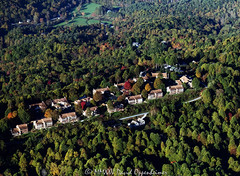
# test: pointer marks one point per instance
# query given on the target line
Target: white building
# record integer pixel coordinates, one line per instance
(155, 94)
(137, 99)
(68, 117)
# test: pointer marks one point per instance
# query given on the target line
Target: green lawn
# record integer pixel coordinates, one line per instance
(88, 9)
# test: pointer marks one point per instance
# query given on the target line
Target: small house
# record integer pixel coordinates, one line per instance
(43, 123)
(164, 75)
(120, 86)
(38, 106)
(186, 80)
(137, 99)
(15, 132)
(23, 128)
(155, 94)
(175, 89)
(61, 103)
(87, 100)
(116, 108)
(93, 111)
(178, 82)
(102, 90)
(68, 117)
(47, 122)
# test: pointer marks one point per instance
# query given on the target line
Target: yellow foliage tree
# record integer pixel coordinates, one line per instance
(148, 87)
(198, 73)
(48, 113)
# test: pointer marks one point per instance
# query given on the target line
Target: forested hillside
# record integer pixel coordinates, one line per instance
(41, 62)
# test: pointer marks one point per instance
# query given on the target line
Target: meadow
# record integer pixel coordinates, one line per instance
(81, 20)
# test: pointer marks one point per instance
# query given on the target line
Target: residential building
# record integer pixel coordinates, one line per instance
(102, 90)
(38, 124)
(61, 103)
(164, 75)
(175, 89)
(186, 80)
(93, 111)
(38, 106)
(15, 132)
(87, 99)
(117, 108)
(178, 82)
(120, 86)
(137, 99)
(155, 94)
(20, 129)
(43, 123)
(68, 117)
(145, 78)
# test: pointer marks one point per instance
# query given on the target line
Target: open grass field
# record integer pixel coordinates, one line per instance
(88, 9)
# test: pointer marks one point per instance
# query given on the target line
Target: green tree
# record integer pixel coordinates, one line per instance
(196, 83)
(125, 75)
(173, 76)
(144, 93)
(206, 96)
(136, 89)
(23, 163)
(158, 84)
(23, 115)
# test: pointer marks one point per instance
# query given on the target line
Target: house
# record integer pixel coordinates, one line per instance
(93, 110)
(186, 80)
(102, 90)
(20, 129)
(164, 75)
(137, 99)
(175, 89)
(178, 82)
(135, 44)
(61, 103)
(68, 117)
(155, 94)
(43, 123)
(120, 86)
(38, 124)
(145, 78)
(38, 106)
(87, 100)
(117, 108)
(15, 132)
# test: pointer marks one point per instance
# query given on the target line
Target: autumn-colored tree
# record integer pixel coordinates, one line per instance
(148, 87)
(121, 98)
(98, 96)
(198, 73)
(83, 104)
(127, 85)
(48, 113)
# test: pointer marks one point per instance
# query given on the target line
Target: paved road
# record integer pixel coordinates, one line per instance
(129, 117)
(195, 99)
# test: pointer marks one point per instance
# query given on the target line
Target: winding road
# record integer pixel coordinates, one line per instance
(129, 117)
(195, 99)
